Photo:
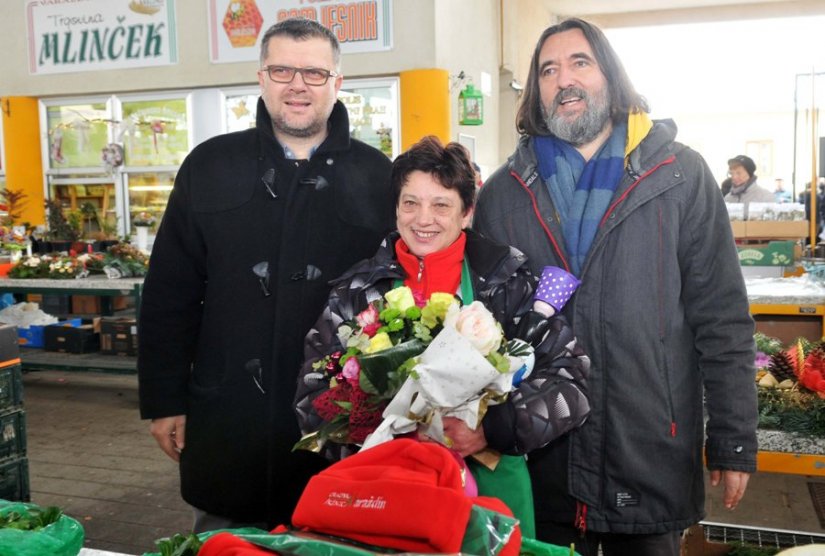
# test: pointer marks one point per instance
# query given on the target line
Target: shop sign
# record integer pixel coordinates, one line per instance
(236, 26)
(86, 35)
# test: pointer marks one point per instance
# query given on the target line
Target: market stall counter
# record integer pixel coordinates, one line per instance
(105, 288)
(787, 308)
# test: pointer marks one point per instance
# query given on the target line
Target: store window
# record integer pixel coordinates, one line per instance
(77, 132)
(155, 132)
(89, 201)
(157, 136)
(79, 182)
(240, 107)
(112, 160)
(374, 114)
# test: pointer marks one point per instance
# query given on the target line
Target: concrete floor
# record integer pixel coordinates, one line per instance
(90, 454)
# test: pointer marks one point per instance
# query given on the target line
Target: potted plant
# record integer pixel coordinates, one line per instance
(62, 233)
(143, 221)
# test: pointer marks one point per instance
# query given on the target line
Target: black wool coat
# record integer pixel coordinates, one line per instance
(223, 345)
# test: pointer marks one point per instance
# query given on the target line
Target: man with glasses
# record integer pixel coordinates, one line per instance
(257, 225)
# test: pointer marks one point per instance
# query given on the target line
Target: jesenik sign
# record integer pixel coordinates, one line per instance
(236, 26)
(84, 35)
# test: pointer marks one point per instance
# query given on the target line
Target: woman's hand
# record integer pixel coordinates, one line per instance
(464, 440)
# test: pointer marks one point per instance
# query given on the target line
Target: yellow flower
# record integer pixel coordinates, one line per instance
(439, 302)
(379, 342)
(400, 298)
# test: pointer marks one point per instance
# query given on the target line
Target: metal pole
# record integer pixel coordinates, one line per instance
(814, 188)
(795, 132)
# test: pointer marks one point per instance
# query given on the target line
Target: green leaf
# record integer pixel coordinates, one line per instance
(499, 361)
(376, 367)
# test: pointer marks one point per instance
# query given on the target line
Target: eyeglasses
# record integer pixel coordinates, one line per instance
(311, 76)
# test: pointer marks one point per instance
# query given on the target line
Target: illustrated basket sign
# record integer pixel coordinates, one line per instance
(775, 253)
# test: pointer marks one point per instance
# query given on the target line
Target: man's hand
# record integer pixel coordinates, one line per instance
(735, 483)
(465, 440)
(170, 432)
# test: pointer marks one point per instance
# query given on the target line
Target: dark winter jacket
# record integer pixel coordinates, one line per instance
(663, 314)
(221, 339)
(550, 402)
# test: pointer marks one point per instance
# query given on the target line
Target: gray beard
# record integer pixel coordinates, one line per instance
(587, 126)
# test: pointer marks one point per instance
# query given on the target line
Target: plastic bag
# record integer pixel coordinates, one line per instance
(303, 543)
(532, 547)
(61, 538)
(243, 531)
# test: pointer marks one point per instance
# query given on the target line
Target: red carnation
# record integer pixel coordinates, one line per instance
(325, 403)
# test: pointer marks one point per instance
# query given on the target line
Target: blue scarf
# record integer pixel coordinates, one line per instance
(581, 191)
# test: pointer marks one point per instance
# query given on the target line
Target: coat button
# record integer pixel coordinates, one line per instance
(738, 449)
(329, 162)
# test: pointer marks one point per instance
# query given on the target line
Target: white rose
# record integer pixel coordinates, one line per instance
(477, 324)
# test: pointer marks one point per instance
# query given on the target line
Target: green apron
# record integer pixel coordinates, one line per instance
(510, 481)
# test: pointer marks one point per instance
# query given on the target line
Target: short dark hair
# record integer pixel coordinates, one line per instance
(745, 162)
(301, 29)
(449, 164)
(623, 96)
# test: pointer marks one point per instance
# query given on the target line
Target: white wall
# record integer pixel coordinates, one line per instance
(467, 38)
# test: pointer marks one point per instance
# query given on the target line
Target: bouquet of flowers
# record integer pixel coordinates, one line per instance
(441, 356)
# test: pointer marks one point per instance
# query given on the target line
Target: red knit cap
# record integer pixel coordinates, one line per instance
(402, 494)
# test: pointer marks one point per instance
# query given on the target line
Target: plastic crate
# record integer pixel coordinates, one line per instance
(13, 434)
(11, 387)
(14, 480)
(118, 336)
(33, 336)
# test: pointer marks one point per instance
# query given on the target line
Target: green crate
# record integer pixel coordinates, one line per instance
(11, 387)
(14, 480)
(13, 434)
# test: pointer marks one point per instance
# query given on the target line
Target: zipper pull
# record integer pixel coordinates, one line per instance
(420, 269)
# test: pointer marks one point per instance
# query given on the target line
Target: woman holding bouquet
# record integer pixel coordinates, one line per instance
(432, 252)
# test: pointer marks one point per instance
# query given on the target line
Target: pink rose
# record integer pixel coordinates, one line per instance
(351, 370)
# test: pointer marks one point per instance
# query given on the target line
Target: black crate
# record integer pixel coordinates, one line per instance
(13, 434)
(9, 343)
(71, 339)
(14, 480)
(11, 386)
(52, 303)
(118, 336)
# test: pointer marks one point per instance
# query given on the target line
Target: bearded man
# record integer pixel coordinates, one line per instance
(599, 189)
